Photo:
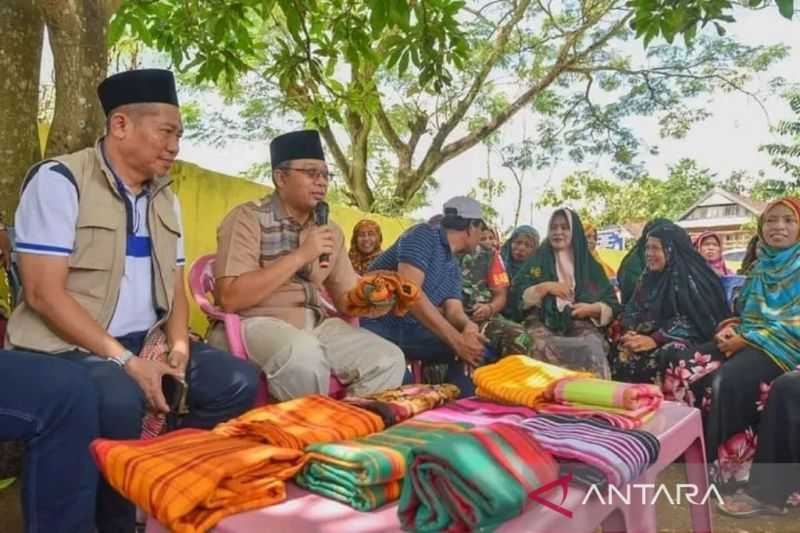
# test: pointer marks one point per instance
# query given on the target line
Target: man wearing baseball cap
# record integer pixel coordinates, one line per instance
(437, 329)
(100, 247)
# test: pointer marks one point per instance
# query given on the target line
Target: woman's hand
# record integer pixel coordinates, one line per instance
(559, 290)
(731, 345)
(582, 310)
(637, 343)
(482, 312)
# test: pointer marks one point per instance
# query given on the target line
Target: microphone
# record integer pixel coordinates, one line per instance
(321, 218)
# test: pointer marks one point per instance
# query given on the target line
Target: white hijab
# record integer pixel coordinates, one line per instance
(565, 261)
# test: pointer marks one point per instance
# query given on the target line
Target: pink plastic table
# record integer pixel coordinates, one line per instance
(678, 428)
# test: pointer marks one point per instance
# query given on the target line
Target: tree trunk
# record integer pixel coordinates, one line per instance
(77, 31)
(20, 57)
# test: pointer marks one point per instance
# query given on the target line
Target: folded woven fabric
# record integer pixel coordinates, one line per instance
(379, 289)
(302, 421)
(397, 405)
(518, 379)
(477, 412)
(622, 455)
(190, 479)
(365, 473)
(625, 405)
(474, 480)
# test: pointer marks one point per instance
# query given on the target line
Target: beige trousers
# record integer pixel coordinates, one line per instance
(298, 362)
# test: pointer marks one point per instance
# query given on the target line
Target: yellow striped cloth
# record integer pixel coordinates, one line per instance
(519, 380)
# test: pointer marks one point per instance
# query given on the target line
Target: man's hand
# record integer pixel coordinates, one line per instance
(583, 310)
(5, 249)
(731, 345)
(377, 311)
(319, 241)
(482, 312)
(178, 360)
(147, 374)
(639, 343)
(470, 346)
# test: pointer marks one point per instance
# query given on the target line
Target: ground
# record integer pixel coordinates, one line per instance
(670, 519)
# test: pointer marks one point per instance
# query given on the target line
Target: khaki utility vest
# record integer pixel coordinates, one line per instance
(97, 262)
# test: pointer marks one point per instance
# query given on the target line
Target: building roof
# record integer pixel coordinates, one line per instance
(716, 223)
(718, 196)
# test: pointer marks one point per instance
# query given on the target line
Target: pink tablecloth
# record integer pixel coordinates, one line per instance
(678, 428)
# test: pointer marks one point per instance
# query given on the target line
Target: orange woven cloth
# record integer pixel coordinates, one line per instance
(191, 479)
(302, 421)
(379, 289)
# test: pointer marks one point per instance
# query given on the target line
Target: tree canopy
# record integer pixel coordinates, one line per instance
(408, 86)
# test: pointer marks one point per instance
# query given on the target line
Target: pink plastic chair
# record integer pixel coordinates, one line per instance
(201, 284)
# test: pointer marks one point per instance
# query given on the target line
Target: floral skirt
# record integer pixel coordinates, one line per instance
(583, 347)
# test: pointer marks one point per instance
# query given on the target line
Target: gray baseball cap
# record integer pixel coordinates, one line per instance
(464, 207)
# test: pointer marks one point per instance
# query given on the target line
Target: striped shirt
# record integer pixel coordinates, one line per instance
(425, 247)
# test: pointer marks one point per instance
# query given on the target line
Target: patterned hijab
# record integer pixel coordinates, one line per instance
(686, 291)
(578, 268)
(632, 266)
(718, 265)
(360, 260)
(512, 266)
(771, 296)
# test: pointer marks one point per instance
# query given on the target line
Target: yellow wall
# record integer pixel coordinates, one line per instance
(206, 197)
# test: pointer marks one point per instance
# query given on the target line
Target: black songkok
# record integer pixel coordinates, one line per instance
(304, 144)
(145, 86)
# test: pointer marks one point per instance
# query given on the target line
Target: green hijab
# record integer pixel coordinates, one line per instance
(591, 282)
(633, 264)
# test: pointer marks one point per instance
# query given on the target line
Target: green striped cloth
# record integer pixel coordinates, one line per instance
(365, 473)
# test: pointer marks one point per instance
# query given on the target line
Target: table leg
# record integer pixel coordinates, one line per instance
(697, 475)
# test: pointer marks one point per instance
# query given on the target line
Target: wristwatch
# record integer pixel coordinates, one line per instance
(123, 359)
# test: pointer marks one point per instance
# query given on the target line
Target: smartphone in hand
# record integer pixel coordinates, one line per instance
(175, 390)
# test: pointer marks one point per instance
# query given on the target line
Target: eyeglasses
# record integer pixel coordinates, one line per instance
(313, 173)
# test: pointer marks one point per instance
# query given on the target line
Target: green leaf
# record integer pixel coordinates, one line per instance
(403, 63)
(786, 8)
(115, 31)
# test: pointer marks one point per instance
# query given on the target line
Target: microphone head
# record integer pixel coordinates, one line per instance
(321, 212)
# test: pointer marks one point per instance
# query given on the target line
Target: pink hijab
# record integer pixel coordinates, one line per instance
(719, 265)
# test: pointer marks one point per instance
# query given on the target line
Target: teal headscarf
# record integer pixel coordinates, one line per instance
(512, 266)
(770, 318)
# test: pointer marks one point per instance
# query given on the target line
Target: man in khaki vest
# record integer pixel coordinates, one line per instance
(101, 260)
(272, 260)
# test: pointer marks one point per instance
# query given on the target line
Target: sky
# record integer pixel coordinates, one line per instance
(726, 142)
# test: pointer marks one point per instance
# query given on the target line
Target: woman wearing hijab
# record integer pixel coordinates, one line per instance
(760, 345)
(677, 303)
(522, 244)
(591, 238)
(750, 256)
(709, 244)
(633, 264)
(565, 300)
(365, 244)
(774, 478)
(490, 239)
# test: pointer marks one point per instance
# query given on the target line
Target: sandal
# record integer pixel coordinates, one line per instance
(747, 506)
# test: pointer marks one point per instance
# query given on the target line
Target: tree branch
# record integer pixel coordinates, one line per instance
(388, 131)
(464, 104)
(562, 64)
(336, 150)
